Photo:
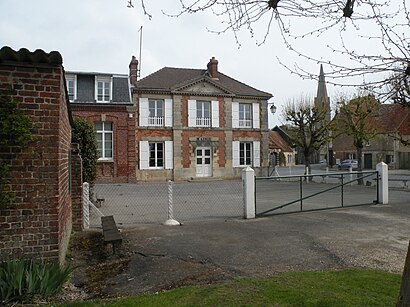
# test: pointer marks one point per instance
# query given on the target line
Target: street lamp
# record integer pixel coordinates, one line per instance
(272, 108)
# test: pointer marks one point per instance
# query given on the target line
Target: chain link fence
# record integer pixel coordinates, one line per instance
(131, 204)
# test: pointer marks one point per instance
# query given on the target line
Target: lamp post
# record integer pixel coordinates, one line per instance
(272, 108)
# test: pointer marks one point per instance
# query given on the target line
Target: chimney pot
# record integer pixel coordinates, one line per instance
(213, 68)
(133, 71)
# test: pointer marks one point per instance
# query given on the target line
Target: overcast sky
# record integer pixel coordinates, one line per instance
(102, 35)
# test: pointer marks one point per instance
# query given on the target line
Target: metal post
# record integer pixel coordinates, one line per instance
(170, 221)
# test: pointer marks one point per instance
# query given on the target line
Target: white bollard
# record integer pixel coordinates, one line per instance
(248, 182)
(170, 221)
(383, 192)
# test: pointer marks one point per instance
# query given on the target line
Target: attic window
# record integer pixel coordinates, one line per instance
(103, 89)
(71, 87)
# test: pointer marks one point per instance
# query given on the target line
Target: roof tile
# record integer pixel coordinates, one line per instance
(39, 56)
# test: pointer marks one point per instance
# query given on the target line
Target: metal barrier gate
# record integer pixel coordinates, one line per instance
(302, 193)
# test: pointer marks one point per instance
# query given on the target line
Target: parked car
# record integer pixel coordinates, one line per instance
(346, 164)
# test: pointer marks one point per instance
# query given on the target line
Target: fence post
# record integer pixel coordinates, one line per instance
(383, 192)
(170, 221)
(86, 205)
(248, 182)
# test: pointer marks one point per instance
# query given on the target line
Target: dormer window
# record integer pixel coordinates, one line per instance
(103, 89)
(71, 87)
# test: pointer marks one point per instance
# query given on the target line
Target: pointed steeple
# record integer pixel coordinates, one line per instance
(321, 88)
(321, 99)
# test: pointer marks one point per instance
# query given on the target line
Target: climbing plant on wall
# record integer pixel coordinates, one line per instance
(84, 134)
(15, 135)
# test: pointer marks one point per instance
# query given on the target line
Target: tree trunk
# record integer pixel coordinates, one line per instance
(307, 167)
(404, 296)
(360, 181)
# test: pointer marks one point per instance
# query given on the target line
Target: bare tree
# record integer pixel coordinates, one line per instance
(308, 128)
(385, 23)
(355, 118)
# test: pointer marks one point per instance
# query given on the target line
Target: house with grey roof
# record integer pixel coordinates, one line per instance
(196, 123)
(174, 124)
(105, 100)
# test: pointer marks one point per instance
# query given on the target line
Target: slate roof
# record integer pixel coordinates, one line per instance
(169, 79)
(39, 56)
(86, 87)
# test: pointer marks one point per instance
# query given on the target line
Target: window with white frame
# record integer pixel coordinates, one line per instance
(246, 153)
(103, 89)
(245, 115)
(104, 140)
(71, 87)
(156, 155)
(156, 112)
(203, 113)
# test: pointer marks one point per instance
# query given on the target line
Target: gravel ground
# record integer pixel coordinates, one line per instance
(155, 257)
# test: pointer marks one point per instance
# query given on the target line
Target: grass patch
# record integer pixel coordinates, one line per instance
(336, 288)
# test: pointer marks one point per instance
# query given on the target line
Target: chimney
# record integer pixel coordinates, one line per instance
(213, 68)
(133, 71)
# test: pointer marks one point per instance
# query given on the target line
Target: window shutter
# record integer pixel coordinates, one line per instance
(235, 114)
(169, 157)
(191, 113)
(235, 154)
(144, 112)
(255, 117)
(215, 114)
(168, 112)
(111, 87)
(256, 154)
(144, 155)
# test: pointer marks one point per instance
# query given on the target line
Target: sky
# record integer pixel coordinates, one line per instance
(102, 35)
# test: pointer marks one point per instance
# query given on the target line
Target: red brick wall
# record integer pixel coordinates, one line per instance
(184, 111)
(222, 123)
(122, 167)
(38, 224)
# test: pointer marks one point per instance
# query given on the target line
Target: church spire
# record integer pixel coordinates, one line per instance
(321, 88)
(321, 99)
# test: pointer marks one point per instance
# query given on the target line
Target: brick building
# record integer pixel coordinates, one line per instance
(198, 123)
(180, 123)
(392, 123)
(39, 222)
(105, 101)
